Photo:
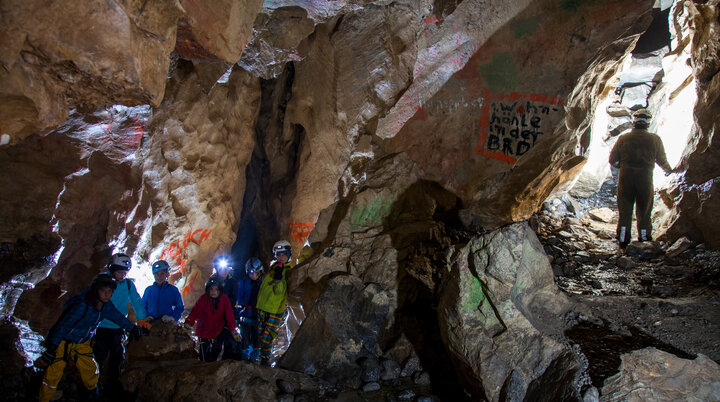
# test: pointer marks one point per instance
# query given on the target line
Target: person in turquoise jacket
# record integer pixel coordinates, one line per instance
(162, 299)
(108, 340)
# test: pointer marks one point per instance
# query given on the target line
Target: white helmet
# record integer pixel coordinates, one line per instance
(119, 262)
(283, 246)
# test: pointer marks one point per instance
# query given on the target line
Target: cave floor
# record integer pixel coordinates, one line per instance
(672, 303)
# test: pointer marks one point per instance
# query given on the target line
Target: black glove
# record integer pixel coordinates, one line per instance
(278, 273)
(135, 333)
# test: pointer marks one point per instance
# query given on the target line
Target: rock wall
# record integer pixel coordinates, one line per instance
(494, 132)
(695, 196)
(61, 55)
(193, 175)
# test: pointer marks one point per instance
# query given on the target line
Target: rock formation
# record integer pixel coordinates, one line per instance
(398, 145)
(654, 374)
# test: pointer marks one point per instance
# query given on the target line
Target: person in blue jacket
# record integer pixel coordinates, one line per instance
(69, 339)
(109, 336)
(247, 316)
(162, 299)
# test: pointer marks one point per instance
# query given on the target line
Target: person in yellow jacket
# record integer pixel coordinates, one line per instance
(272, 298)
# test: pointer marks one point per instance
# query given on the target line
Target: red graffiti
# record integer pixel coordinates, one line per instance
(178, 252)
(510, 123)
(189, 287)
(129, 138)
(300, 231)
(419, 115)
(177, 247)
(431, 20)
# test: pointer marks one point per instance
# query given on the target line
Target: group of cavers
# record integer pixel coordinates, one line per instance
(235, 319)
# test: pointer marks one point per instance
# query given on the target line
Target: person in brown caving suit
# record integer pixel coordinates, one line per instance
(636, 154)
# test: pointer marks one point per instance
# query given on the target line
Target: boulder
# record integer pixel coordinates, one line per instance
(652, 374)
(602, 214)
(644, 250)
(164, 342)
(679, 246)
(500, 318)
(342, 327)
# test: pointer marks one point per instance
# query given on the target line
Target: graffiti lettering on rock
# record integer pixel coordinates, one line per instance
(177, 251)
(190, 284)
(299, 231)
(511, 124)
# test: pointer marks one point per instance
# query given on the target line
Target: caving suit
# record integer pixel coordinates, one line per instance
(271, 307)
(72, 334)
(636, 154)
(247, 317)
(109, 336)
(215, 320)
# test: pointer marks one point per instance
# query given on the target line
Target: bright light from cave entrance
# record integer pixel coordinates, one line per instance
(672, 104)
(141, 274)
(676, 121)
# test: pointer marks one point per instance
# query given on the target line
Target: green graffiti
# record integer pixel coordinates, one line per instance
(526, 26)
(372, 213)
(475, 296)
(500, 73)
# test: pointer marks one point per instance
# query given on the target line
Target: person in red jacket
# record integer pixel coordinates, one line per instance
(216, 325)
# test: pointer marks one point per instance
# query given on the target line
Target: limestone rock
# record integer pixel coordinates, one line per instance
(218, 381)
(651, 374)
(499, 316)
(679, 246)
(602, 214)
(502, 180)
(334, 99)
(193, 175)
(57, 55)
(644, 250)
(342, 327)
(221, 27)
(163, 342)
(694, 199)
(390, 370)
(277, 36)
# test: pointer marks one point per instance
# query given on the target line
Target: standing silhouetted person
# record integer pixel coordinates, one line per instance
(636, 154)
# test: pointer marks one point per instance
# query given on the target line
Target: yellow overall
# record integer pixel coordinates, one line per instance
(82, 355)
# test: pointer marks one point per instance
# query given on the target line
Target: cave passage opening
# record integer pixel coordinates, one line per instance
(655, 74)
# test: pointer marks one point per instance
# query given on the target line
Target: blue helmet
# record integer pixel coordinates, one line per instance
(160, 265)
(253, 265)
